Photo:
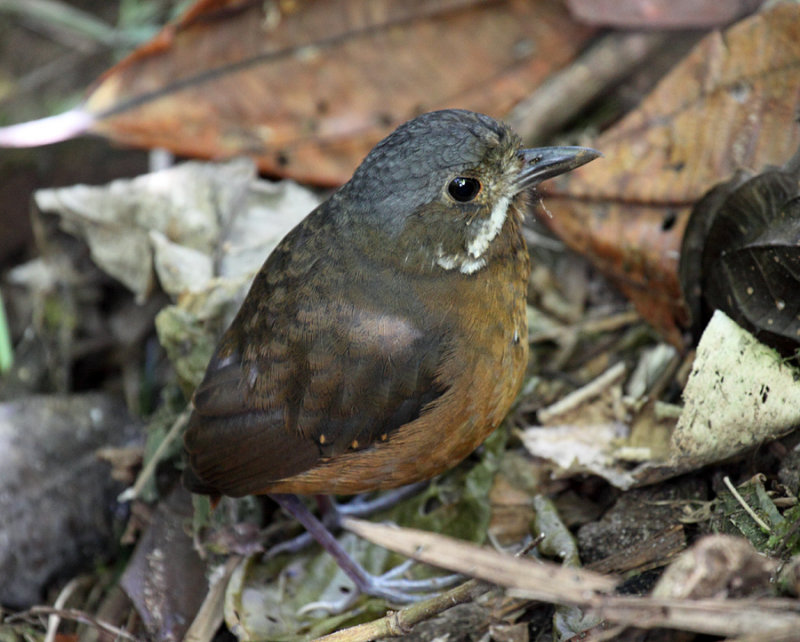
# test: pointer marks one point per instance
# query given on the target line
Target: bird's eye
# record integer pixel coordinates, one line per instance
(463, 188)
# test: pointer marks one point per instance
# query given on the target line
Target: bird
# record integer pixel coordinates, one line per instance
(385, 337)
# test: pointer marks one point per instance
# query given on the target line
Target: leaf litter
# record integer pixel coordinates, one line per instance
(612, 412)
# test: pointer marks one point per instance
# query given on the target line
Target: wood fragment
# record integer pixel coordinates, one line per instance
(544, 581)
(565, 94)
(653, 552)
(611, 376)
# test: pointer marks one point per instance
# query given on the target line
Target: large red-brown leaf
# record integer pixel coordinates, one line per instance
(731, 104)
(307, 88)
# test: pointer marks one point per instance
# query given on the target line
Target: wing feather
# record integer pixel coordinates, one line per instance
(316, 363)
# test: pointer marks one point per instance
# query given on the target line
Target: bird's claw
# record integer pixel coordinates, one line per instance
(389, 586)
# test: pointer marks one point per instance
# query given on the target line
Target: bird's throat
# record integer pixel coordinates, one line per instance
(479, 235)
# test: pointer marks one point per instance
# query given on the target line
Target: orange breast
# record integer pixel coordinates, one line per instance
(484, 375)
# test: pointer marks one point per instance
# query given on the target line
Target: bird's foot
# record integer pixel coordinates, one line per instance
(390, 586)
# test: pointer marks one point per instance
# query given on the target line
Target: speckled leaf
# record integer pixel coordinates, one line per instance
(744, 240)
(740, 394)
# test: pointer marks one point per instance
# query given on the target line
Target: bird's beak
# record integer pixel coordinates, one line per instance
(541, 163)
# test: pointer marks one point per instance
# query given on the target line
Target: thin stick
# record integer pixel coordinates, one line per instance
(745, 505)
(210, 615)
(150, 468)
(556, 101)
(611, 376)
(589, 326)
(54, 620)
(77, 616)
(400, 622)
(546, 581)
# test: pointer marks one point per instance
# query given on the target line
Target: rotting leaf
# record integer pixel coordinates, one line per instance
(693, 246)
(743, 241)
(202, 230)
(165, 578)
(730, 104)
(188, 204)
(734, 515)
(717, 566)
(559, 543)
(308, 88)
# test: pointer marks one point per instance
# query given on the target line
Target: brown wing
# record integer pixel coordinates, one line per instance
(321, 359)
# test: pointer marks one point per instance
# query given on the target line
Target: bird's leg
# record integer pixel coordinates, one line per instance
(332, 512)
(360, 506)
(389, 586)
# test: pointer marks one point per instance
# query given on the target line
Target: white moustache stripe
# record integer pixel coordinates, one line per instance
(489, 228)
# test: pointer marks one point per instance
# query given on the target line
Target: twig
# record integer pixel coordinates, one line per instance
(210, 615)
(545, 581)
(54, 620)
(147, 472)
(591, 389)
(589, 326)
(563, 95)
(787, 634)
(721, 617)
(554, 584)
(744, 505)
(76, 616)
(400, 622)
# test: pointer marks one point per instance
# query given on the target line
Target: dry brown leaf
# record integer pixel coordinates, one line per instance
(165, 578)
(308, 88)
(731, 104)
